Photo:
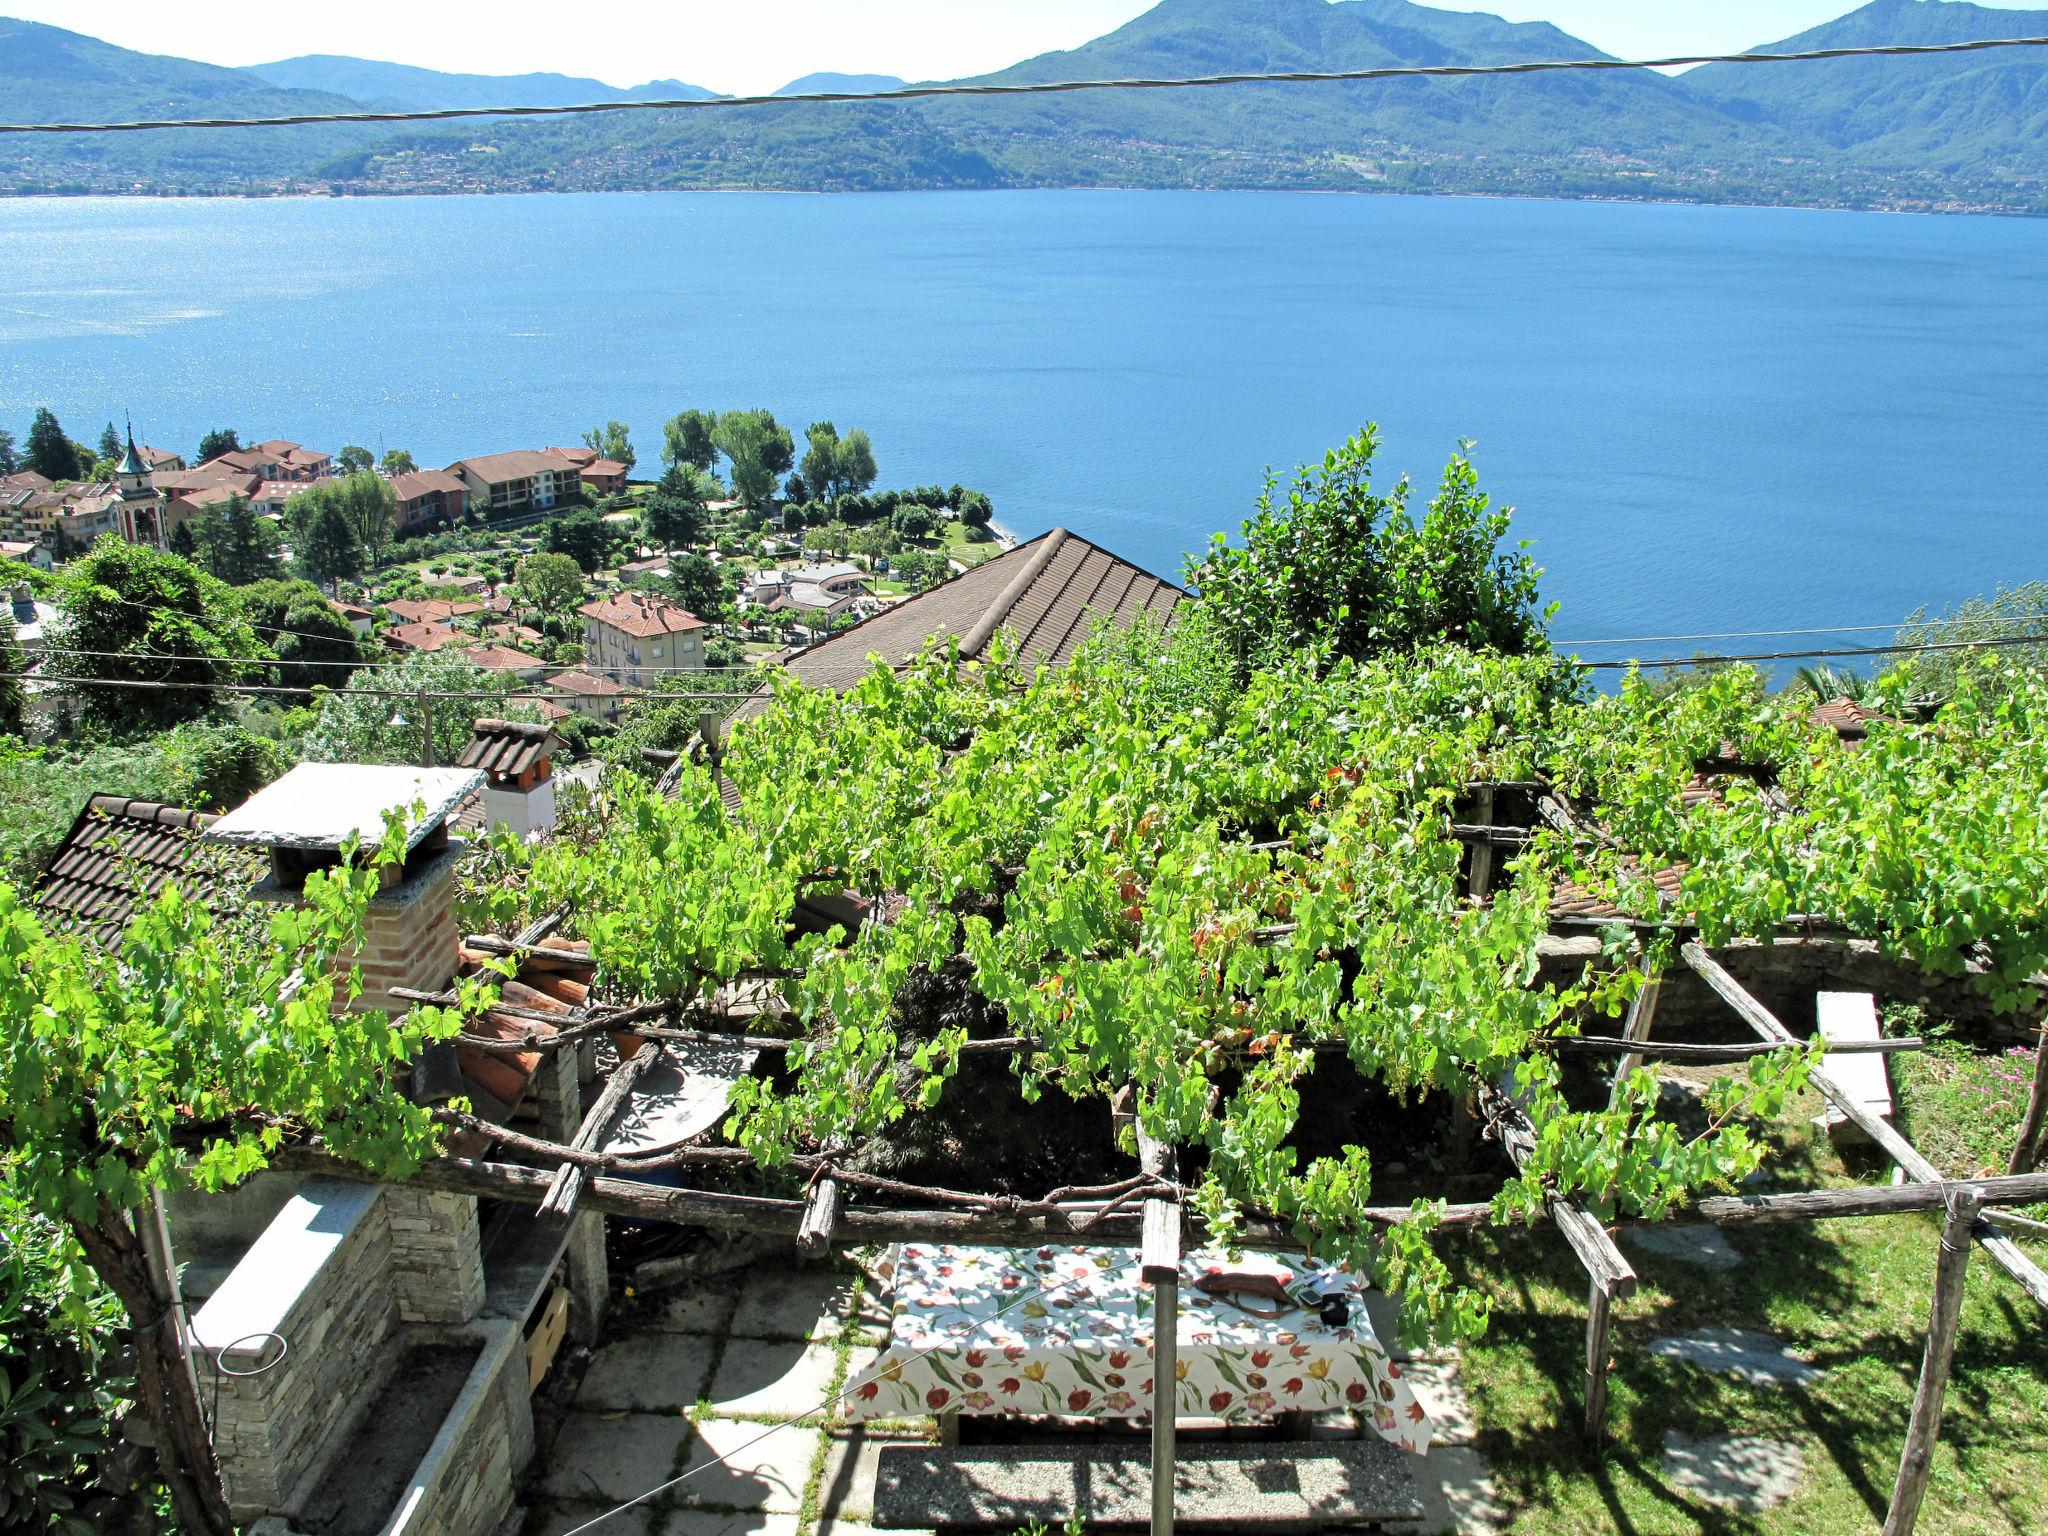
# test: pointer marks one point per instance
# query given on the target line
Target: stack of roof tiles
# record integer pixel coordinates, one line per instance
(504, 749)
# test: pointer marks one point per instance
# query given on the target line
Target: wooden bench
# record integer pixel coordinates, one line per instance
(1852, 1016)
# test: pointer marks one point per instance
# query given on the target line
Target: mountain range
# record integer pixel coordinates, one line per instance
(1965, 131)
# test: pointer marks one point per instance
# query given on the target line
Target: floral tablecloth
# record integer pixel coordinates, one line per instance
(1068, 1331)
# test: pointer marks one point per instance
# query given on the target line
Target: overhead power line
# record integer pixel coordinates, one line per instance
(1048, 88)
(1895, 627)
(1866, 651)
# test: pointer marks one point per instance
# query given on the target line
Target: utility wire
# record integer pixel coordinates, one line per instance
(472, 643)
(1875, 650)
(1047, 88)
(524, 696)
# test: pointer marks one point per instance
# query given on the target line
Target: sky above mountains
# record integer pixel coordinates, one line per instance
(758, 46)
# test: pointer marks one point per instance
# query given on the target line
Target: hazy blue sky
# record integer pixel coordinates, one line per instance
(756, 45)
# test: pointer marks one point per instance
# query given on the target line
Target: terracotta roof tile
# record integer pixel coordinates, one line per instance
(120, 853)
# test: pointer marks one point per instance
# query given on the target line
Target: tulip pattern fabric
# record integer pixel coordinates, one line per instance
(1068, 1332)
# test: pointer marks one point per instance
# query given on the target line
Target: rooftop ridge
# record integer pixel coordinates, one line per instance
(985, 627)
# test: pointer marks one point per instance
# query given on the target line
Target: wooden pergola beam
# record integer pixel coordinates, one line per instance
(2003, 1249)
(1611, 1274)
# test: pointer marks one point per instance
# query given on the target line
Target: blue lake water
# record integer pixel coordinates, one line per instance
(1709, 419)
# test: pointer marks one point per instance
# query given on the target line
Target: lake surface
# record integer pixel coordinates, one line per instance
(1710, 419)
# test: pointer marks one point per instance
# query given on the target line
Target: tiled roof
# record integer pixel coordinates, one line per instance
(423, 637)
(1046, 593)
(430, 610)
(586, 683)
(416, 483)
(120, 853)
(519, 464)
(643, 616)
(213, 472)
(154, 457)
(1846, 718)
(507, 748)
(604, 468)
(26, 480)
(502, 658)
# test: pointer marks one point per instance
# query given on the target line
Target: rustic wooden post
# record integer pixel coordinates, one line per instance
(1916, 1461)
(1482, 851)
(1642, 1009)
(1159, 1259)
(2026, 1151)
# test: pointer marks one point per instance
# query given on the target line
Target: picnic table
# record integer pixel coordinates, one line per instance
(1067, 1332)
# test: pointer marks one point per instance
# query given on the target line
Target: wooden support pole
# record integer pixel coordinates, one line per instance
(1482, 851)
(1642, 1010)
(1917, 1459)
(560, 1199)
(1609, 1271)
(2003, 1249)
(821, 1215)
(2026, 1149)
(1159, 1267)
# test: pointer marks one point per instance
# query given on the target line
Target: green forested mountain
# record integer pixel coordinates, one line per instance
(1970, 112)
(378, 84)
(1970, 131)
(49, 74)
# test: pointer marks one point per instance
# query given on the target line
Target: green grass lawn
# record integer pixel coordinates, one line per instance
(1849, 1296)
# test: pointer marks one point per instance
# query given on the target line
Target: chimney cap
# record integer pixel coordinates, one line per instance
(317, 806)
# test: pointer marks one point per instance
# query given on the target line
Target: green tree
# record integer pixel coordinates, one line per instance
(133, 614)
(687, 439)
(12, 664)
(10, 460)
(976, 510)
(856, 463)
(361, 724)
(217, 442)
(611, 441)
(110, 442)
(760, 452)
(674, 514)
(50, 453)
(184, 543)
(582, 536)
(695, 582)
(237, 544)
(315, 646)
(370, 507)
(915, 521)
(551, 583)
(1343, 570)
(354, 459)
(100, 1079)
(397, 462)
(331, 551)
(835, 466)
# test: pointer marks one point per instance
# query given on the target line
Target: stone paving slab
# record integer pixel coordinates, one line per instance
(553, 1519)
(613, 1457)
(1457, 1493)
(1230, 1485)
(1756, 1358)
(758, 1473)
(1734, 1471)
(1694, 1244)
(773, 1380)
(722, 1522)
(847, 1491)
(702, 1306)
(648, 1371)
(791, 1303)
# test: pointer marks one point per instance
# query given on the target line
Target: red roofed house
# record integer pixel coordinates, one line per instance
(423, 610)
(424, 637)
(161, 460)
(604, 477)
(426, 497)
(502, 658)
(516, 481)
(595, 698)
(637, 636)
(278, 459)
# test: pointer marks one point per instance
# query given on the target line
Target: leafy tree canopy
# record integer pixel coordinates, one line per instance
(237, 544)
(688, 439)
(1340, 568)
(217, 442)
(582, 536)
(612, 441)
(358, 725)
(760, 451)
(330, 550)
(132, 613)
(696, 583)
(49, 452)
(674, 514)
(834, 466)
(10, 460)
(314, 643)
(550, 582)
(354, 458)
(397, 461)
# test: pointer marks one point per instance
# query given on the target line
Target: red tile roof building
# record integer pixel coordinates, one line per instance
(516, 481)
(636, 636)
(426, 497)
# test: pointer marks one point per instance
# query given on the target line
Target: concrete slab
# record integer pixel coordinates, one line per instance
(611, 1458)
(1734, 1471)
(791, 1303)
(831, 1527)
(1852, 1016)
(1701, 1245)
(1439, 1386)
(764, 1379)
(1233, 1485)
(704, 1306)
(723, 1522)
(319, 806)
(553, 1519)
(847, 1491)
(1756, 1358)
(763, 1467)
(1457, 1493)
(648, 1371)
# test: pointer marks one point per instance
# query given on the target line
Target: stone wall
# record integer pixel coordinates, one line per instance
(295, 1339)
(465, 1482)
(436, 1255)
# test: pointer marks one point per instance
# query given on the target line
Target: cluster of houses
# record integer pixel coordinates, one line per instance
(154, 491)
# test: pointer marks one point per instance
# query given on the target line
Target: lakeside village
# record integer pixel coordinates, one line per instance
(797, 1120)
(558, 574)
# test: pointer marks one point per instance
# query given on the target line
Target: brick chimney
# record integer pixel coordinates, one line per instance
(302, 820)
(516, 758)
